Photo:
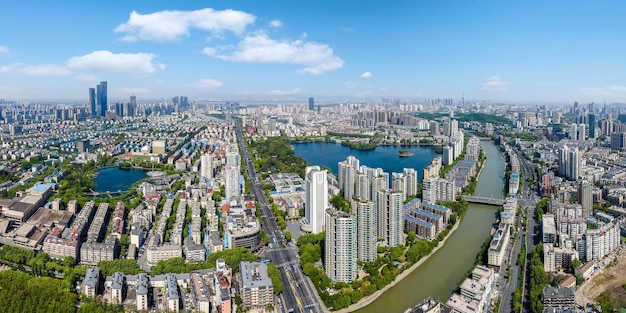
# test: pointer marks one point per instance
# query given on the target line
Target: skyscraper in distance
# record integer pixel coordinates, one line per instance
(102, 99)
(411, 182)
(348, 170)
(592, 126)
(311, 104)
(92, 102)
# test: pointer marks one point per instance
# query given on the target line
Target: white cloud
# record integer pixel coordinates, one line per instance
(374, 90)
(592, 90)
(276, 24)
(125, 91)
(350, 85)
(348, 29)
(4, 49)
(294, 91)
(87, 78)
(7, 88)
(365, 93)
(165, 26)
(495, 83)
(207, 83)
(36, 70)
(607, 91)
(98, 61)
(108, 62)
(366, 75)
(315, 57)
(617, 88)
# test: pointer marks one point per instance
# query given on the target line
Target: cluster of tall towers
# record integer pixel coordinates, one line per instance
(98, 100)
(375, 215)
(570, 161)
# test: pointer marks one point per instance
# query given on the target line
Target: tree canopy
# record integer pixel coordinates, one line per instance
(20, 292)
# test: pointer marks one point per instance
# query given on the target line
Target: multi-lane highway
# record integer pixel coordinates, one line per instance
(527, 199)
(298, 293)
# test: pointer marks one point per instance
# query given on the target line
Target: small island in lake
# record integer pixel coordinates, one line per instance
(405, 153)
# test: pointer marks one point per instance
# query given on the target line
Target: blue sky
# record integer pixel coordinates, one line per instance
(556, 51)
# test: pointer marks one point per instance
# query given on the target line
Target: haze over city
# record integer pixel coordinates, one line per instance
(552, 51)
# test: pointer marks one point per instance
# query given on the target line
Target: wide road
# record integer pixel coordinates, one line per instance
(530, 200)
(298, 293)
(527, 199)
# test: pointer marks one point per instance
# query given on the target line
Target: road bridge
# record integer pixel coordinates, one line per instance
(484, 200)
(107, 193)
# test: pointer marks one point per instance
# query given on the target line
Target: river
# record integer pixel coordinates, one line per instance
(441, 273)
(114, 178)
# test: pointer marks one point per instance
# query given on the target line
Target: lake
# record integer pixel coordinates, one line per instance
(114, 179)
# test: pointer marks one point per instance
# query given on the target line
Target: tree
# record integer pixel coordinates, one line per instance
(340, 203)
(89, 305)
(20, 292)
(410, 239)
(69, 261)
(288, 235)
(274, 274)
(575, 263)
(264, 237)
(126, 266)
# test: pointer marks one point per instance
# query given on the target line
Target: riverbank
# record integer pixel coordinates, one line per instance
(371, 298)
(367, 301)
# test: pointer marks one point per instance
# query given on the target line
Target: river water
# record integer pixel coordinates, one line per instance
(441, 273)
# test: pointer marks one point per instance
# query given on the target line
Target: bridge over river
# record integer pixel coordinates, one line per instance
(484, 200)
(107, 193)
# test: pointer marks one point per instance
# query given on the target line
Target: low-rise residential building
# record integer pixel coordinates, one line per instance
(200, 292)
(155, 254)
(460, 304)
(89, 286)
(558, 297)
(585, 270)
(143, 285)
(498, 245)
(430, 305)
(172, 295)
(257, 290)
(422, 229)
(116, 289)
(92, 252)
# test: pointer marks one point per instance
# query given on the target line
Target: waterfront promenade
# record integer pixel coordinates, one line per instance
(371, 298)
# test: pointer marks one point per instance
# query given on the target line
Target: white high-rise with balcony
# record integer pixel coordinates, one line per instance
(206, 166)
(390, 217)
(367, 237)
(316, 199)
(341, 246)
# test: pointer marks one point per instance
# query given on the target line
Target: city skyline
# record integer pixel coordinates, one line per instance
(531, 51)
